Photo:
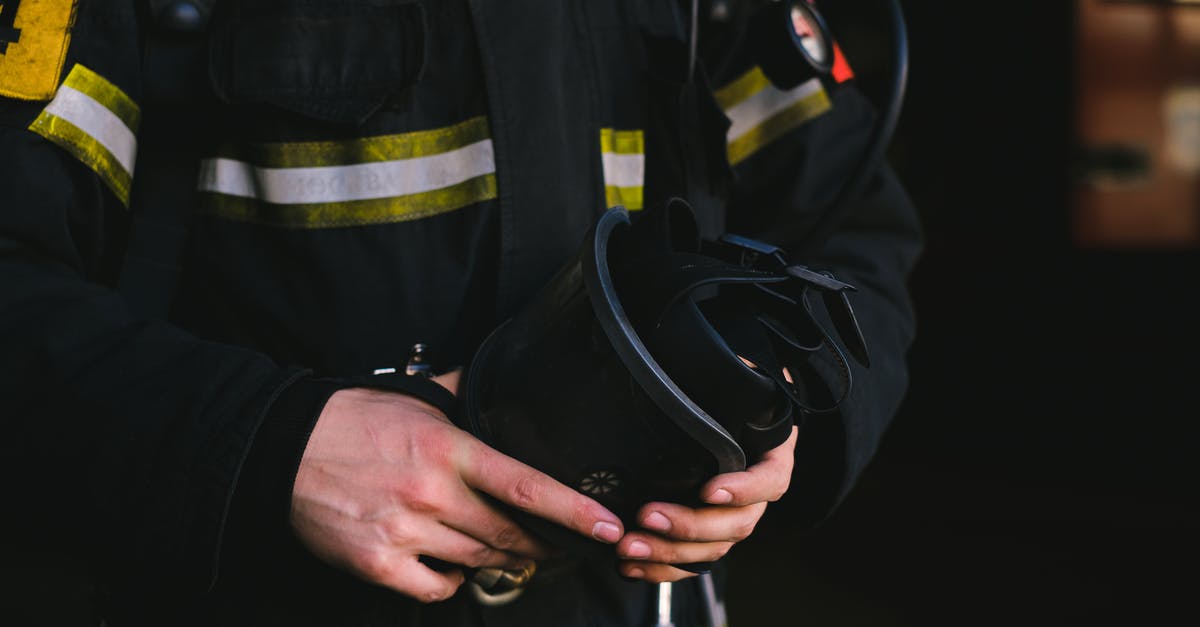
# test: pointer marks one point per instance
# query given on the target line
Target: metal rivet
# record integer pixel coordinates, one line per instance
(182, 16)
(719, 11)
(418, 362)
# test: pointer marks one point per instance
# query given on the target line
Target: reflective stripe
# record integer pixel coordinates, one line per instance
(84, 80)
(758, 108)
(373, 180)
(353, 213)
(624, 170)
(759, 112)
(344, 183)
(367, 149)
(745, 86)
(94, 121)
(92, 118)
(89, 151)
(622, 142)
(622, 155)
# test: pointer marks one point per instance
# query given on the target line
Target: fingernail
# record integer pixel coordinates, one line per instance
(606, 532)
(720, 496)
(638, 549)
(637, 573)
(657, 522)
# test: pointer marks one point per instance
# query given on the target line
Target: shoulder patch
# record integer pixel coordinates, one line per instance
(34, 35)
(95, 121)
(760, 113)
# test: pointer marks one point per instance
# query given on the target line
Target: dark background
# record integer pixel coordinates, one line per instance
(1042, 468)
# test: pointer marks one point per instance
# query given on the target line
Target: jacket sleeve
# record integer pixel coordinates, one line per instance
(780, 192)
(128, 433)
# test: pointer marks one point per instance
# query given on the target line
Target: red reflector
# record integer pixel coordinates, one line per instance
(841, 67)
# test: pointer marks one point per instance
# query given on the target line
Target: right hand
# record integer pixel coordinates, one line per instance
(386, 478)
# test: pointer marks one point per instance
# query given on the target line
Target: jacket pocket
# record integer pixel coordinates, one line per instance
(338, 62)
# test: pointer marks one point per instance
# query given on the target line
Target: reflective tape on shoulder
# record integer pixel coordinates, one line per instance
(96, 122)
(759, 112)
(623, 158)
(372, 180)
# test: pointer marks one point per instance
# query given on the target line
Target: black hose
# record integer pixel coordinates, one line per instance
(880, 140)
(693, 41)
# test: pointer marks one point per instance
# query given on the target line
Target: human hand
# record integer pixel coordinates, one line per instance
(674, 534)
(386, 479)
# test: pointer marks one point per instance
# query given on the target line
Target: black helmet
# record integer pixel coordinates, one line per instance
(653, 361)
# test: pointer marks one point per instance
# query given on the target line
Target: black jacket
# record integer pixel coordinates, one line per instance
(375, 173)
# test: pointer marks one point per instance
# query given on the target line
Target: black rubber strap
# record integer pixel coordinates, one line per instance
(418, 387)
(799, 362)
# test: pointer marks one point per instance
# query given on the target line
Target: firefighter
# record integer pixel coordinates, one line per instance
(233, 234)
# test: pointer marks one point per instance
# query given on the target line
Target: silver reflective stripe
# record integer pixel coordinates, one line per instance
(345, 183)
(624, 170)
(748, 114)
(96, 120)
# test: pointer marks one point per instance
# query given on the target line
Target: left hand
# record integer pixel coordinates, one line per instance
(674, 534)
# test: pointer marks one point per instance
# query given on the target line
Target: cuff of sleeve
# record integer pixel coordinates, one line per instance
(263, 496)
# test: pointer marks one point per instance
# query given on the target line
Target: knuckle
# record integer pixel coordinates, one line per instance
(581, 515)
(526, 492)
(479, 556)
(396, 531)
(506, 537)
(744, 529)
(665, 553)
(375, 566)
(418, 496)
(723, 549)
(685, 528)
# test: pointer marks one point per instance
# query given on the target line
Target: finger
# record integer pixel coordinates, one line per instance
(706, 524)
(653, 572)
(650, 548)
(453, 546)
(535, 492)
(406, 575)
(766, 480)
(482, 522)
(449, 380)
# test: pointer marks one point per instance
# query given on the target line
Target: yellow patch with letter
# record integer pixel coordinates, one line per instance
(34, 35)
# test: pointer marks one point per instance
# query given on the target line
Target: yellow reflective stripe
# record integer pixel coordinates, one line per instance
(96, 122)
(85, 148)
(352, 213)
(628, 197)
(622, 154)
(622, 142)
(84, 80)
(371, 180)
(93, 118)
(366, 149)
(745, 86)
(345, 183)
(778, 124)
